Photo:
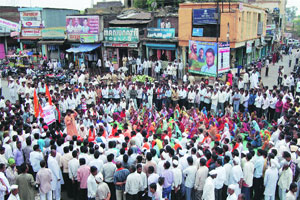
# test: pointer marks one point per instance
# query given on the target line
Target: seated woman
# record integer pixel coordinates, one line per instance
(256, 140)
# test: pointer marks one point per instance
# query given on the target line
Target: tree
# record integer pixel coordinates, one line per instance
(296, 26)
(291, 13)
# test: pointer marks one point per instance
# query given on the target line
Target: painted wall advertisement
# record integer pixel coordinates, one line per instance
(121, 34)
(204, 16)
(83, 28)
(161, 33)
(223, 57)
(31, 18)
(203, 58)
(31, 32)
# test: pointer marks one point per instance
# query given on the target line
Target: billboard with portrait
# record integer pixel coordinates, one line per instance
(82, 25)
(203, 58)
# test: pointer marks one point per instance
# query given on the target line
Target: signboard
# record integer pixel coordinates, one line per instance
(9, 26)
(132, 45)
(203, 57)
(161, 33)
(287, 35)
(249, 47)
(82, 25)
(14, 34)
(85, 38)
(270, 27)
(31, 32)
(204, 16)
(48, 114)
(121, 34)
(223, 57)
(241, 7)
(54, 33)
(197, 32)
(31, 18)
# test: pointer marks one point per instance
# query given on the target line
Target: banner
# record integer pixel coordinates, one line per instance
(203, 58)
(82, 25)
(161, 33)
(223, 57)
(249, 47)
(204, 16)
(121, 34)
(48, 114)
(31, 18)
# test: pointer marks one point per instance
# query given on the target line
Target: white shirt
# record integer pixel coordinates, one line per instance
(258, 101)
(214, 98)
(209, 189)
(35, 158)
(270, 181)
(221, 177)
(248, 173)
(73, 167)
(133, 183)
(222, 97)
(190, 174)
(177, 174)
(266, 103)
(91, 186)
(98, 163)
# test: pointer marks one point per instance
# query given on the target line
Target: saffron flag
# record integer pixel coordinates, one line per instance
(35, 104)
(48, 95)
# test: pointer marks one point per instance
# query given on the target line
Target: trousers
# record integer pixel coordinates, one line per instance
(44, 196)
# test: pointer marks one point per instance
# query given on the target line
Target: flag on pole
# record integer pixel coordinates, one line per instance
(35, 104)
(48, 95)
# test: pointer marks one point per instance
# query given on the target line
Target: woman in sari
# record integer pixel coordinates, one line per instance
(70, 123)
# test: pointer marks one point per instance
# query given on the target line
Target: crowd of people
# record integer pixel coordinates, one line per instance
(119, 139)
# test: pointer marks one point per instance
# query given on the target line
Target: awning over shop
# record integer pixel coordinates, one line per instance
(161, 46)
(83, 48)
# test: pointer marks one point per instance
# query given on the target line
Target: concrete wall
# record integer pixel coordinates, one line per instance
(242, 27)
(56, 17)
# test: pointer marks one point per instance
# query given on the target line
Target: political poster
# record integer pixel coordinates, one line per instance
(223, 57)
(203, 58)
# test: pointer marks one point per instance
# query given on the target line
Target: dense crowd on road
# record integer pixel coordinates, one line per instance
(117, 138)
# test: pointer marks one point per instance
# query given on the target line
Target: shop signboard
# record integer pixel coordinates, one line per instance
(121, 34)
(87, 26)
(203, 58)
(9, 25)
(31, 32)
(197, 32)
(54, 33)
(84, 38)
(31, 18)
(249, 47)
(223, 57)
(132, 45)
(161, 33)
(270, 27)
(204, 16)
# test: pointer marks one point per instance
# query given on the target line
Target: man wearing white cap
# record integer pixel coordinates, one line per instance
(177, 174)
(209, 186)
(12, 90)
(286, 178)
(103, 191)
(270, 180)
(231, 194)
(14, 193)
(8, 149)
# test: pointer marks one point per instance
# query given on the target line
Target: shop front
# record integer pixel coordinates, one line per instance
(120, 43)
(53, 44)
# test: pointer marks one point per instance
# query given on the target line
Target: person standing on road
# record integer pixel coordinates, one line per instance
(267, 67)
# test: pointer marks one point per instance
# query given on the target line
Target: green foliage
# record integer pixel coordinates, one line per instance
(140, 4)
(296, 28)
(291, 13)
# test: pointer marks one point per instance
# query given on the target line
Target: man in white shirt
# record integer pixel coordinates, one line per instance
(190, 175)
(265, 105)
(36, 156)
(209, 186)
(248, 170)
(180, 69)
(177, 174)
(220, 179)
(91, 183)
(258, 104)
(231, 193)
(133, 184)
(73, 166)
(201, 176)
